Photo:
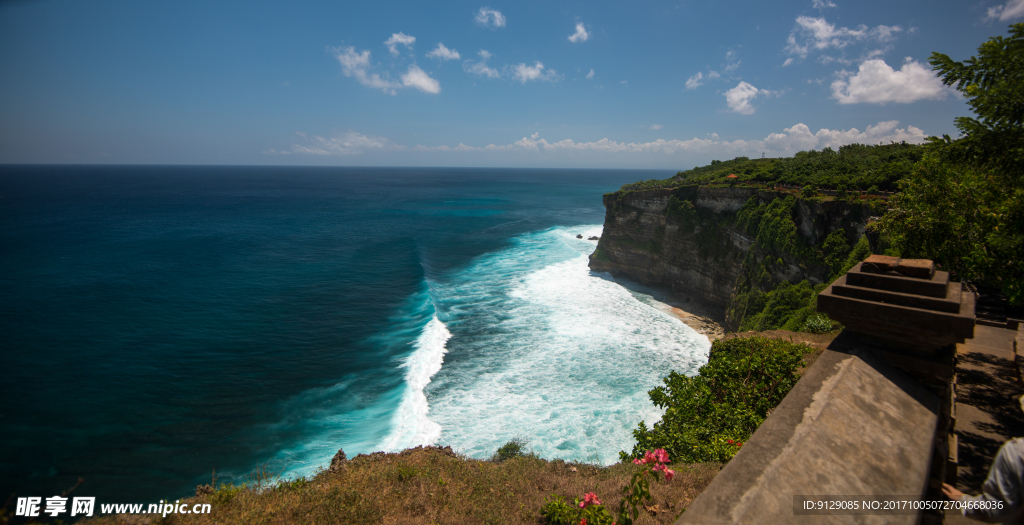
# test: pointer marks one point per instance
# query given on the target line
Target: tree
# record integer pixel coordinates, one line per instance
(943, 213)
(963, 204)
(993, 83)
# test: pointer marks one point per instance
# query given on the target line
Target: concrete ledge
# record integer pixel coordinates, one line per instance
(852, 425)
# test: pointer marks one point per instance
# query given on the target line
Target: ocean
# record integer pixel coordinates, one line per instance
(161, 324)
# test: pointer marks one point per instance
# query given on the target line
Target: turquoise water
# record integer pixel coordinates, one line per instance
(162, 322)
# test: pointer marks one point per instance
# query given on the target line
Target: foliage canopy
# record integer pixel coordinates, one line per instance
(709, 416)
(963, 205)
(993, 83)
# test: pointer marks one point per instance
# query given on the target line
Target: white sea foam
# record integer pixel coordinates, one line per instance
(539, 347)
(410, 425)
(546, 350)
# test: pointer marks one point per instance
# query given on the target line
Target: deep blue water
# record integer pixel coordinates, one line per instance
(162, 322)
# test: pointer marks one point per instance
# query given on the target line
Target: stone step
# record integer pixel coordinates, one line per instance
(949, 303)
(934, 287)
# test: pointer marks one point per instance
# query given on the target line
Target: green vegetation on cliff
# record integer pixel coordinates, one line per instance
(855, 167)
(710, 415)
(792, 306)
(763, 302)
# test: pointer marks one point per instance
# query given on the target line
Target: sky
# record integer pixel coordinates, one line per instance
(654, 84)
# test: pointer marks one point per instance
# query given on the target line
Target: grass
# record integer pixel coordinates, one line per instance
(429, 485)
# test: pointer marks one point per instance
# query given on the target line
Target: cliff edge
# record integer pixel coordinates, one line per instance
(711, 243)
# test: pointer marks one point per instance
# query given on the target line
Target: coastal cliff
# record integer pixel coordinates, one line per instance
(711, 244)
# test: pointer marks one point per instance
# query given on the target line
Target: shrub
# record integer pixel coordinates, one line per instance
(515, 448)
(817, 324)
(780, 305)
(709, 416)
(225, 493)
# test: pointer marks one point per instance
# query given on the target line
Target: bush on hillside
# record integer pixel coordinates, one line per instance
(710, 415)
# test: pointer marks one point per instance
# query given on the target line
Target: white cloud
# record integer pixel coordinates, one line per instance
(581, 34)
(739, 98)
(877, 83)
(822, 4)
(817, 33)
(399, 38)
(358, 64)
(420, 80)
(481, 68)
(731, 61)
(656, 127)
(794, 48)
(490, 17)
(590, 75)
(523, 73)
(697, 80)
(787, 62)
(798, 137)
(828, 59)
(791, 140)
(443, 53)
(694, 81)
(1013, 9)
(349, 143)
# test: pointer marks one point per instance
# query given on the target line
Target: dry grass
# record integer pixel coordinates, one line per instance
(434, 485)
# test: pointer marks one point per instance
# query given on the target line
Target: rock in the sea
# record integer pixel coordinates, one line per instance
(338, 462)
(594, 238)
(579, 236)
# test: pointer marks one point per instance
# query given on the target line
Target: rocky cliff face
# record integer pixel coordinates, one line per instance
(694, 240)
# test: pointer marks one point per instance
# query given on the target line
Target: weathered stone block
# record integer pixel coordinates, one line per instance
(918, 268)
(880, 264)
(918, 314)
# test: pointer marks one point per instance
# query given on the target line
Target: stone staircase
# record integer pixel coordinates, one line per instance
(987, 411)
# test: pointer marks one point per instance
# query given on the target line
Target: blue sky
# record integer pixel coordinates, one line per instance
(522, 84)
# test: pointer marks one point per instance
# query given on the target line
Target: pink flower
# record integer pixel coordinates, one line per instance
(661, 455)
(649, 457)
(638, 461)
(658, 467)
(589, 499)
(669, 474)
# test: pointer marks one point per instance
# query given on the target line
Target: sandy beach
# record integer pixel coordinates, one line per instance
(703, 325)
(704, 319)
